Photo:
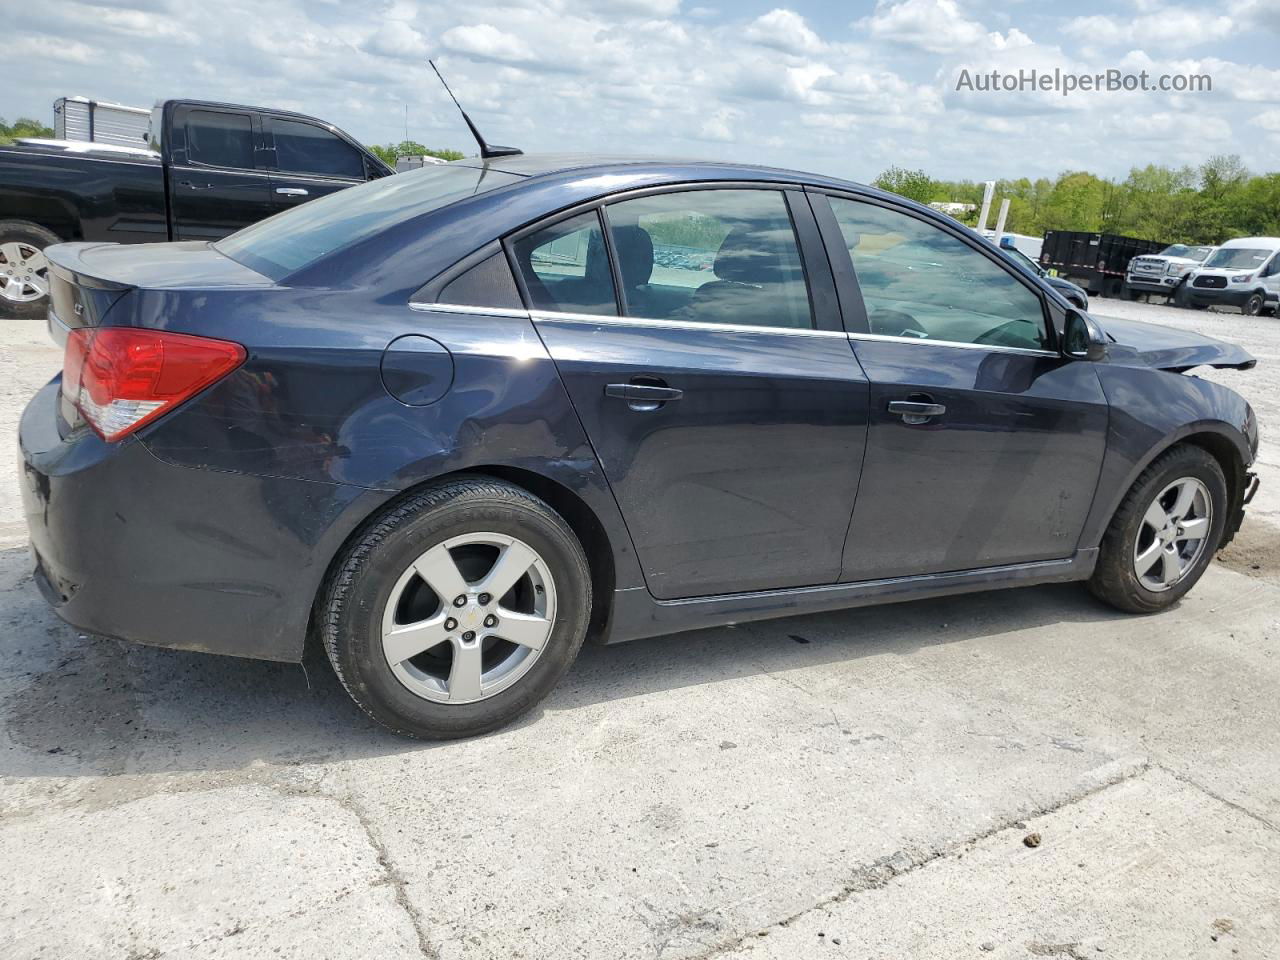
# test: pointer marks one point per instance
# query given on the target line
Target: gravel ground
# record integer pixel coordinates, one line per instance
(861, 784)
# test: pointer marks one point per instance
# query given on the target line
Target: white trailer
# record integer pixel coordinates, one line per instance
(98, 121)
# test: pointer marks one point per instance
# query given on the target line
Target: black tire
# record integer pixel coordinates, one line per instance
(362, 583)
(1128, 293)
(1114, 580)
(21, 231)
(1253, 306)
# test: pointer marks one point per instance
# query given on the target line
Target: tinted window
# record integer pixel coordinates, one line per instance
(921, 282)
(220, 139)
(289, 241)
(711, 256)
(306, 148)
(566, 269)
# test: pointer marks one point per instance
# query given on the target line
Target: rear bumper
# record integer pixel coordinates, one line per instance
(125, 545)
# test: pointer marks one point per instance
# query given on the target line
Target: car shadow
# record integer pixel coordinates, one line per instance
(73, 705)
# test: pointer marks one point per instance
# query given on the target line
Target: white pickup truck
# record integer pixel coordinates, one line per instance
(1163, 273)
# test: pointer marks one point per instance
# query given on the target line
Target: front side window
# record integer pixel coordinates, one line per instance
(920, 282)
(711, 256)
(220, 139)
(306, 148)
(565, 267)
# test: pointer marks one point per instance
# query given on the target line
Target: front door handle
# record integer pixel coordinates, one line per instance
(195, 186)
(916, 411)
(292, 191)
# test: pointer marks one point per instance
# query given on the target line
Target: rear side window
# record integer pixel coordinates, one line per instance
(565, 267)
(920, 282)
(711, 256)
(306, 148)
(220, 139)
(289, 241)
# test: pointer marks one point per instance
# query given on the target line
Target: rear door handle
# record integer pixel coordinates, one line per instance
(642, 391)
(643, 396)
(292, 191)
(916, 411)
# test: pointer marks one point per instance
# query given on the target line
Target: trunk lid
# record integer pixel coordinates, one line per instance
(1167, 348)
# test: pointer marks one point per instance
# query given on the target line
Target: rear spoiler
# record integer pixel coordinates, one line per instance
(78, 297)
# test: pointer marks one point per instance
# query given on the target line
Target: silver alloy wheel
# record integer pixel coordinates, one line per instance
(1173, 534)
(469, 617)
(24, 272)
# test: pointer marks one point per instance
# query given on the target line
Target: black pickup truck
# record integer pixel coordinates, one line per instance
(211, 169)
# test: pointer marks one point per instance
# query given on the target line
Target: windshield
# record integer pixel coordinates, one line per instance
(1016, 255)
(1238, 258)
(289, 241)
(1185, 252)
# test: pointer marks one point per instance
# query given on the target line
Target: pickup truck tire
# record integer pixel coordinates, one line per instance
(24, 272)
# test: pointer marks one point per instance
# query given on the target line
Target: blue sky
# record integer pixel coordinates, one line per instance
(847, 89)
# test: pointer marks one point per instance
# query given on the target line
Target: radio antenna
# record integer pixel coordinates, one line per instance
(487, 151)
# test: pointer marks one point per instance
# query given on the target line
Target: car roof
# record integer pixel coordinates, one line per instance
(1273, 242)
(551, 164)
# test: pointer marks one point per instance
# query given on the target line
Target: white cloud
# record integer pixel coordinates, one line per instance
(937, 26)
(1169, 28)
(781, 87)
(487, 42)
(398, 40)
(784, 30)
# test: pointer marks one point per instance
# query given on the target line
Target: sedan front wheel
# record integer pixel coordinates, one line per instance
(1164, 534)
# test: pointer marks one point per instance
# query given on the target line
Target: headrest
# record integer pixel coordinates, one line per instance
(634, 247)
(742, 259)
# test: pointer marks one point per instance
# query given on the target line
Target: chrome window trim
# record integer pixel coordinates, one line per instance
(551, 316)
(654, 322)
(995, 347)
(469, 309)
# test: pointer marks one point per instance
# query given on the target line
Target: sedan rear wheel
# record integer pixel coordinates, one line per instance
(458, 609)
(1164, 534)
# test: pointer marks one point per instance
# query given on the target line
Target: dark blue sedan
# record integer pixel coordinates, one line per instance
(452, 423)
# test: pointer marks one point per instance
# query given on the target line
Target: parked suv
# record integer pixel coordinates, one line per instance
(1163, 272)
(1242, 273)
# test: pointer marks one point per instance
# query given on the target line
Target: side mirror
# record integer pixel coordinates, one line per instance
(1082, 339)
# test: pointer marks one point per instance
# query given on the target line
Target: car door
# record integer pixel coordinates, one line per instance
(985, 444)
(703, 355)
(215, 183)
(310, 161)
(1269, 276)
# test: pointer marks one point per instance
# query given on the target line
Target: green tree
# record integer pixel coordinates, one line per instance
(23, 127)
(411, 148)
(912, 184)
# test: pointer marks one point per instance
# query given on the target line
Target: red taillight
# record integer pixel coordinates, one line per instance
(121, 378)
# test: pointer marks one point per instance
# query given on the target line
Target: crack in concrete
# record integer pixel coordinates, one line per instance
(880, 873)
(398, 883)
(1184, 778)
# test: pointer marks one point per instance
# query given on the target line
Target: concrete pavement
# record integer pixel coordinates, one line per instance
(761, 791)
